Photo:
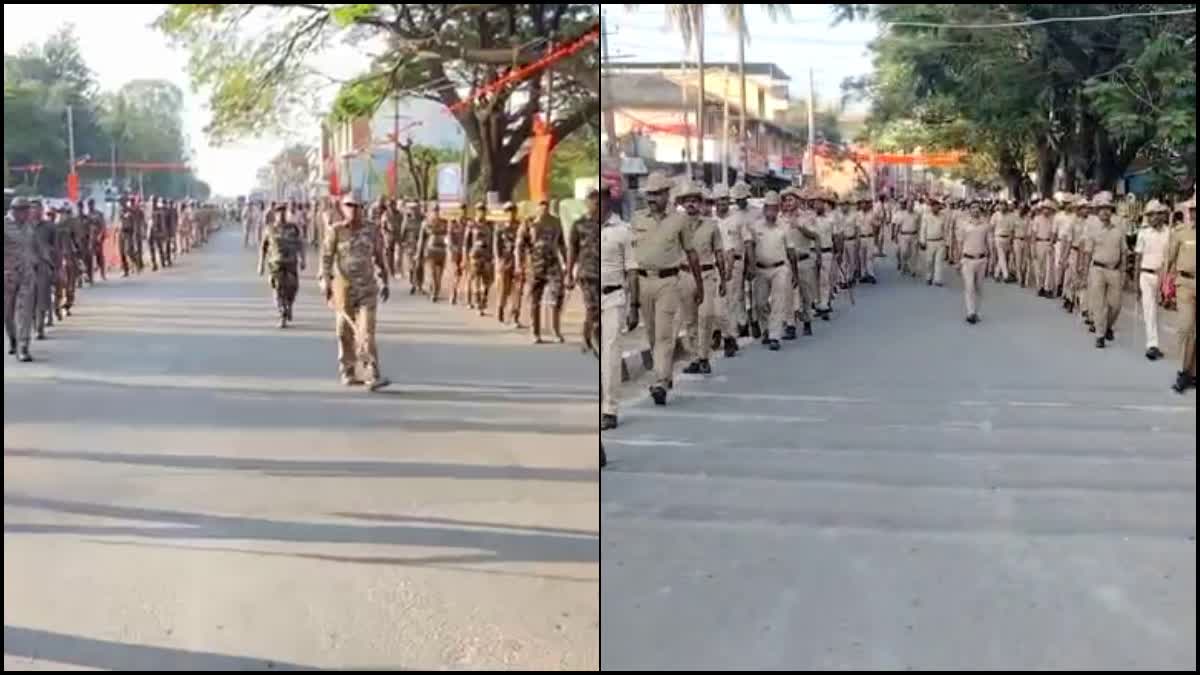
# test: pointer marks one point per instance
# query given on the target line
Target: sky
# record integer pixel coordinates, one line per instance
(119, 45)
(807, 41)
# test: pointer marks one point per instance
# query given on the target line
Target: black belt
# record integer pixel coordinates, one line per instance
(1146, 271)
(769, 267)
(850, 238)
(610, 289)
(802, 258)
(974, 257)
(1040, 239)
(1187, 275)
(710, 266)
(827, 250)
(737, 257)
(908, 234)
(1105, 267)
(1004, 236)
(927, 241)
(661, 274)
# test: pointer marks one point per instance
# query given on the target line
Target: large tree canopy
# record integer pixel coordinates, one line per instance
(258, 61)
(143, 120)
(1087, 97)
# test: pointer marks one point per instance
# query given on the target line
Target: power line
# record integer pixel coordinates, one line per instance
(1036, 22)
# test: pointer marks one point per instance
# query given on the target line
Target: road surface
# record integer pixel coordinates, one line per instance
(187, 486)
(904, 490)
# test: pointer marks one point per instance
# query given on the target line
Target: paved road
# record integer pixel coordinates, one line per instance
(186, 486)
(904, 490)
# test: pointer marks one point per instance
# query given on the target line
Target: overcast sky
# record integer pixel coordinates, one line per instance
(119, 45)
(807, 41)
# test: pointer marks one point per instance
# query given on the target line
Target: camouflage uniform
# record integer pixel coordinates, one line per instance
(45, 238)
(96, 234)
(585, 248)
(479, 246)
(504, 256)
(128, 238)
(67, 271)
(547, 248)
(456, 235)
(351, 254)
(19, 258)
(393, 244)
(283, 251)
(432, 245)
(410, 234)
(159, 232)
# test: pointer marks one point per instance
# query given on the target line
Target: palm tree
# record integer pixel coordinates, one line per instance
(688, 20)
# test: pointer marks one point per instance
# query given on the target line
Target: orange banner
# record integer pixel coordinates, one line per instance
(539, 160)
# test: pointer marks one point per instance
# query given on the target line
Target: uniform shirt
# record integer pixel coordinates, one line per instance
(825, 225)
(545, 241)
(1064, 223)
(770, 242)
(18, 248)
(352, 254)
(1181, 252)
(616, 251)
(865, 222)
(1020, 227)
(1152, 246)
(1043, 228)
(283, 244)
(734, 227)
(933, 227)
(976, 235)
(800, 241)
(706, 240)
(480, 240)
(1107, 246)
(906, 222)
(658, 243)
(1004, 224)
(504, 244)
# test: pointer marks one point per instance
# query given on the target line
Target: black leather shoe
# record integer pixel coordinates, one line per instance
(774, 345)
(1153, 353)
(603, 457)
(705, 367)
(1099, 343)
(1091, 328)
(743, 330)
(755, 330)
(1108, 335)
(608, 422)
(659, 394)
(789, 332)
(807, 328)
(973, 319)
(12, 348)
(731, 347)
(693, 368)
(766, 337)
(824, 315)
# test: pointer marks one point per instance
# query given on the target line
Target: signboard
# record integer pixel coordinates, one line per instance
(449, 183)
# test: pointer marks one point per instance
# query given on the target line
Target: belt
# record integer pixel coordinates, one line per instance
(908, 234)
(928, 241)
(660, 274)
(737, 257)
(1105, 267)
(1040, 239)
(1187, 275)
(851, 238)
(802, 258)
(610, 289)
(710, 266)
(827, 250)
(1004, 236)
(769, 267)
(973, 257)
(1146, 271)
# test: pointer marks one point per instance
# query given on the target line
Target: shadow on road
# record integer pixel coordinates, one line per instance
(108, 655)
(497, 545)
(318, 468)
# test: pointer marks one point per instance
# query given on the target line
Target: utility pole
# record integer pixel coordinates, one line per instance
(72, 176)
(396, 148)
(725, 130)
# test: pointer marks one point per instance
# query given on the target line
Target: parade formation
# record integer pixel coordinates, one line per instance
(49, 253)
(712, 269)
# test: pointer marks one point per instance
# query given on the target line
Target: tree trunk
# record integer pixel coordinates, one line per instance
(1047, 166)
(1108, 165)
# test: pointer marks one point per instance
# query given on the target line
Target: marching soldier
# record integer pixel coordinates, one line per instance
(20, 257)
(1180, 265)
(616, 263)
(456, 234)
(96, 235)
(1107, 252)
(481, 257)
(935, 228)
(283, 250)
(1151, 250)
(547, 251)
(824, 227)
(1020, 246)
(67, 272)
(867, 222)
(733, 232)
(906, 228)
(699, 318)
(768, 250)
(504, 253)
(410, 235)
(48, 258)
(1042, 234)
(804, 238)
(432, 246)
(659, 243)
(977, 235)
(353, 274)
(583, 265)
(1004, 224)
(158, 232)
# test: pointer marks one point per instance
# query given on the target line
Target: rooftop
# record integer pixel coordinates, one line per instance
(762, 68)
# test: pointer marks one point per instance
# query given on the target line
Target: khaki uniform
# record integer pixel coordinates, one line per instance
(1004, 225)
(1107, 249)
(907, 227)
(699, 321)
(733, 233)
(976, 240)
(616, 258)
(934, 231)
(1064, 232)
(824, 225)
(1152, 247)
(865, 222)
(1042, 234)
(848, 228)
(806, 264)
(775, 277)
(1020, 249)
(658, 246)
(353, 266)
(1181, 261)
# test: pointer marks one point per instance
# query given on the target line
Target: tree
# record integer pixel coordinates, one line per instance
(441, 52)
(578, 156)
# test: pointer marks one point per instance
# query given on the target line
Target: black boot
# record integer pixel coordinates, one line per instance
(603, 458)
(1182, 382)
(693, 368)
(731, 347)
(766, 337)
(25, 356)
(12, 346)
(1099, 343)
(1153, 354)
(789, 332)
(1108, 335)
(755, 330)
(773, 345)
(705, 367)
(743, 330)
(807, 328)
(659, 394)
(608, 422)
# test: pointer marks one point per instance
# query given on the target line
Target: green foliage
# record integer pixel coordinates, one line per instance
(577, 156)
